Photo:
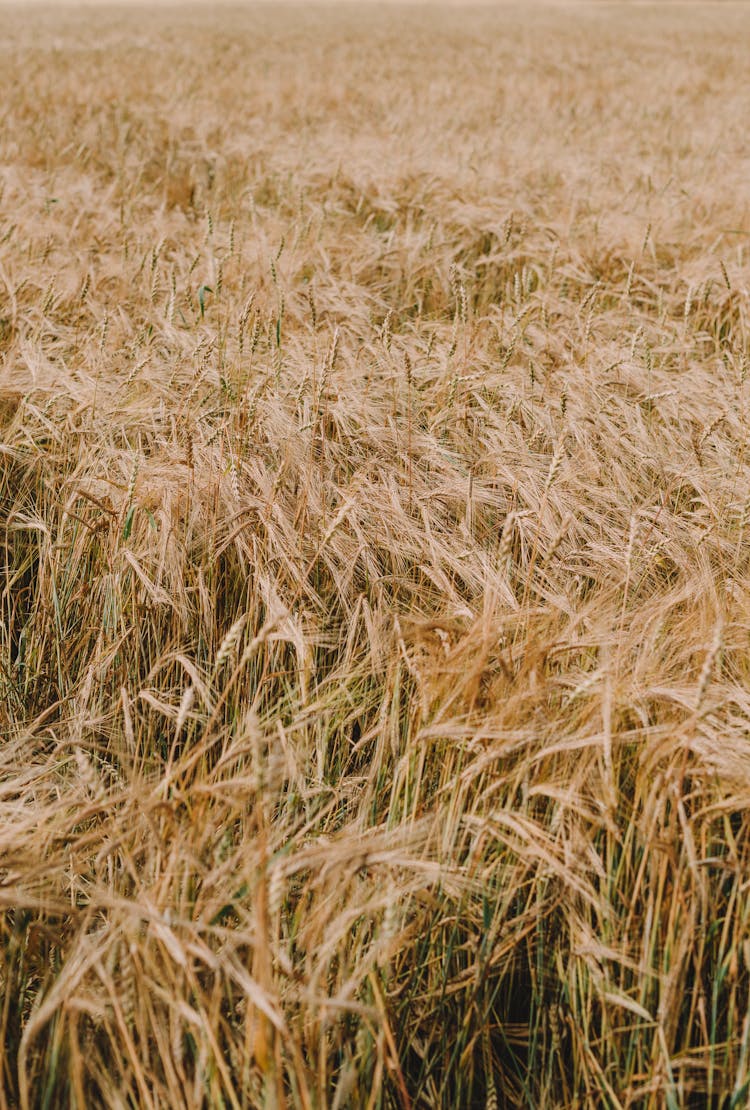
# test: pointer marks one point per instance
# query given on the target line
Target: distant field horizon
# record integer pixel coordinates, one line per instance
(208, 4)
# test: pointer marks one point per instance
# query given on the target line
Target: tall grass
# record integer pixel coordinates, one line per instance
(374, 592)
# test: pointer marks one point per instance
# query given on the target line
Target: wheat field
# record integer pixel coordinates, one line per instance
(374, 557)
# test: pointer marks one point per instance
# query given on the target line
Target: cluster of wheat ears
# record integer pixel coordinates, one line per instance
(374, 581)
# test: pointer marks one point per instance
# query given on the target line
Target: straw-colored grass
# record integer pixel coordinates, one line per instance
(374, 580)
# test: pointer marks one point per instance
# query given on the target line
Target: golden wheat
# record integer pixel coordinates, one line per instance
(374, 586)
